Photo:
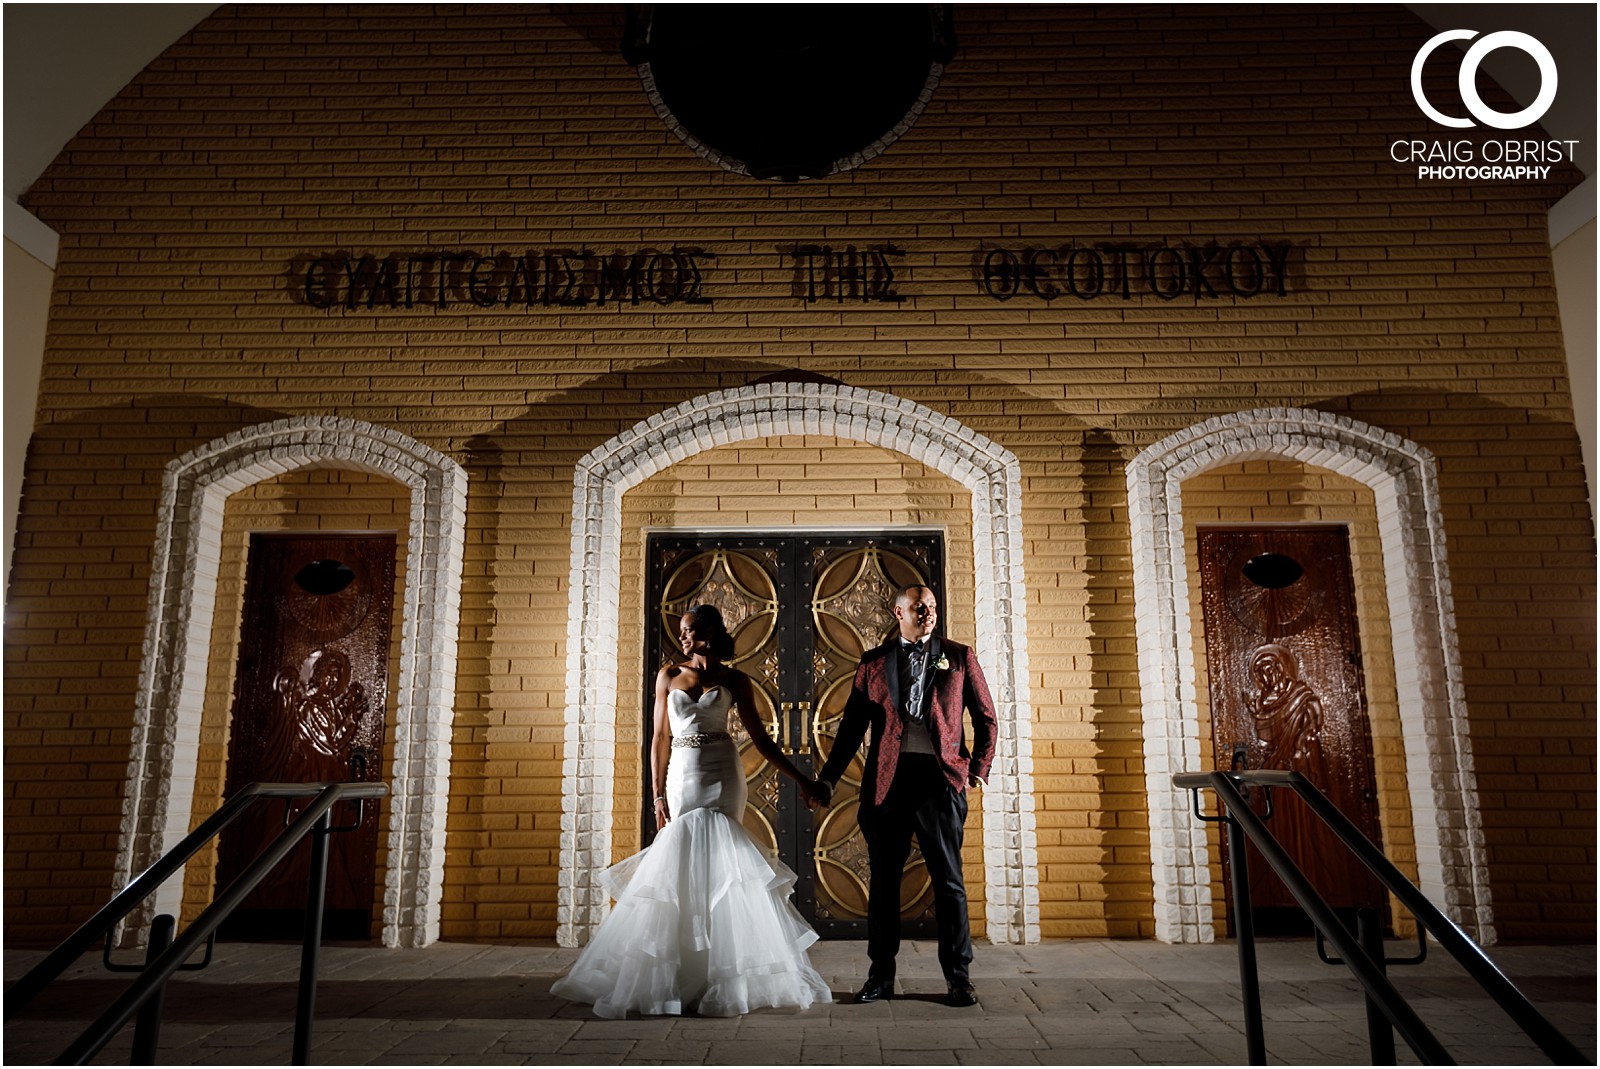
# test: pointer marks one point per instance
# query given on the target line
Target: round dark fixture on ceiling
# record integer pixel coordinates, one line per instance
(789, 91)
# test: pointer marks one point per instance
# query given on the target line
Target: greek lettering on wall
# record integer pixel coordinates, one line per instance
(1127, 270)
(822, 274)
(543, 278)
(846, 273)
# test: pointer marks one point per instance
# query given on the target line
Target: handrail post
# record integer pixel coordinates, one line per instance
(1396, 1008)
(1244, 933)
(167, 953)
(147, 1027)
(1467, 953)
(1362, 952)
(19, 994)
(1380, 1033)
(224, 903)
(311, 944)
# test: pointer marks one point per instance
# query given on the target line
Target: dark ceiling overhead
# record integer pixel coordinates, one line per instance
(63, 62)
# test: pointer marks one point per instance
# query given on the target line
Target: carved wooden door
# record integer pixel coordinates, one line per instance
(309, 696)
(802, 610)
(1284, 661)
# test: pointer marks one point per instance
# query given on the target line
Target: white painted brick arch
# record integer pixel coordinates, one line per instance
(183, 588)
(989, 471)
(1433, 713)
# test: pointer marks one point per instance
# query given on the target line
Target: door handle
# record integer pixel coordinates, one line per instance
(780, 734)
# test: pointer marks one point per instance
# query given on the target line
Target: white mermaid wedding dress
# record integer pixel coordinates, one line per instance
(703, 920)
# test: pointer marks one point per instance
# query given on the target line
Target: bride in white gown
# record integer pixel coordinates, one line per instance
(703, 922)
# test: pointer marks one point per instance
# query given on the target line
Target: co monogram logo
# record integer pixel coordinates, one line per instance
(1467, 81)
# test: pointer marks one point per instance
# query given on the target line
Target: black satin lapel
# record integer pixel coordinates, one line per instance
(891, 665)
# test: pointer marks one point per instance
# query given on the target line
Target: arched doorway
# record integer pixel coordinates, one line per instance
(183, 588)
(992, 475)
(1402, 476)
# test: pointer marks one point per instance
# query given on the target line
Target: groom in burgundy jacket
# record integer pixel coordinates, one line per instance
(911, 692)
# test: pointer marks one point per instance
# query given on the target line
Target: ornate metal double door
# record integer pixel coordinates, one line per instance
(802, 610)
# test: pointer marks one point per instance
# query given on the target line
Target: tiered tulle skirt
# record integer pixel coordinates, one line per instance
(703, 923)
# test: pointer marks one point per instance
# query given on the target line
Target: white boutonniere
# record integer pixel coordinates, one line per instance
(942, 664)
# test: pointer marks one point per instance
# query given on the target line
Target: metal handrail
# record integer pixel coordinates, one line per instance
(314, 819)
(125, 901)
(1242, 819)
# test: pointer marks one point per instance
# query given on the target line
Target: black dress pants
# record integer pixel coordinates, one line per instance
(921, 802)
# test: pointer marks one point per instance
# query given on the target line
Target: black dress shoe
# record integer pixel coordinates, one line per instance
(874, 990)
(961, 994)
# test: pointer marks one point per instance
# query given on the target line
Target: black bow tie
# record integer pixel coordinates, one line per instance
(913, 647)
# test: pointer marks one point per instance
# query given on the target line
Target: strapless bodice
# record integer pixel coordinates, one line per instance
(690, 717)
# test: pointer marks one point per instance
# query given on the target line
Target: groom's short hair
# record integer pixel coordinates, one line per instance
(906, 597)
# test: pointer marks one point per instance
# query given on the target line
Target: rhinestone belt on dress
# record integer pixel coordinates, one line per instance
(704, 739)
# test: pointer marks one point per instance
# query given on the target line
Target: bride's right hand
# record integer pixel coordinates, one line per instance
(662, 815)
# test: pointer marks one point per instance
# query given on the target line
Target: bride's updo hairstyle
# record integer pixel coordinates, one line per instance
(708, 622)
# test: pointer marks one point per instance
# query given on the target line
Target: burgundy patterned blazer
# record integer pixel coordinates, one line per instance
(875, 703)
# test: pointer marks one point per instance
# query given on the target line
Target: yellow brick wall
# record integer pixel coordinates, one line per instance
(1285, 492)
(1088, 745)
(326, 500)
(271, 134)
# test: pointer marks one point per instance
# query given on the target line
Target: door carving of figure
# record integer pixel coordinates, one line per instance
(309, 699)
(802, 610)
(1284, 661)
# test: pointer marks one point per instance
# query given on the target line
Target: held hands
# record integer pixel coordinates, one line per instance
(816, 793)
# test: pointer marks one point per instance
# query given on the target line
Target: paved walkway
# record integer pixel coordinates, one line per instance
(1062, 1003)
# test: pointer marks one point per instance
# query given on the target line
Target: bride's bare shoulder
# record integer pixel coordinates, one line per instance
(682, 676)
